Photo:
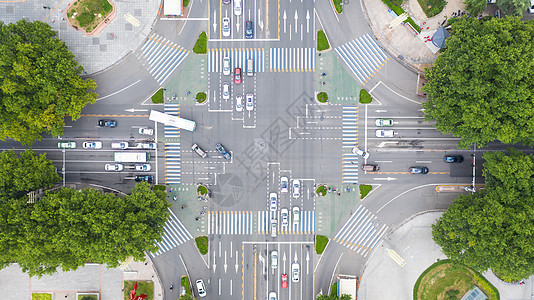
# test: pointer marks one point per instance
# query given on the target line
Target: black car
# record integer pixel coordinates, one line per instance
(249, 32)
(453, 159)
(223, 151)
(107, 123)
(418, 170)
(146, 178)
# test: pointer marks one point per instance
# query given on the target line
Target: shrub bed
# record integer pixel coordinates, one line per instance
(364, 190)
(365, 97)
(202, 244)
(201, 46)
(320, 243)
(322, 41)
(322, 97)
(201, 97)
(158, 96)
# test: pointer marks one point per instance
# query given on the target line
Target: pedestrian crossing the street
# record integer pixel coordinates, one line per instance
(349, 140)
(362, 232)
(306, 224)
(292, 59)
(162, 56)
(238, 58)
(173, 155)
(174, 234)
(363, 56)
(230, 222)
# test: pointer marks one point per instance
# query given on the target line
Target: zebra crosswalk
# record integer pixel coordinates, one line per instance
(306, 224)
(230, 222)
(362, 232)
(349, 140)
(292, 59)
(162, 56)
(238, 58)
(173, 155)
(363, 56)
(174, 234)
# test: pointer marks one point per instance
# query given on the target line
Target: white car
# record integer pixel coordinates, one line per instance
(284, 214)
(250, 102)
(284, 183)
(119, 145)
(239, 103)
(226, 27)
(296, 215)
(295, 272)
(147, 145)
(226, 66)
(146, 131)
(237, 7)
(143, 167)
(274, 227)
(226, 91)
(272, 296)
(92, 145)
(296, 188)
(273, 199)
(385, 133)
(360, 152)
(114, 167)
(531, 8)
(274, 259)
(201, 288)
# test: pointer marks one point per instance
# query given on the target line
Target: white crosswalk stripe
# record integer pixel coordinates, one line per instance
(363, 56)
(349, 140)
(238, 58)
(174, 235)
(173, 157)
(292, 59)
(162, 56)
(230, 222)
(362, 232)
(306, 225)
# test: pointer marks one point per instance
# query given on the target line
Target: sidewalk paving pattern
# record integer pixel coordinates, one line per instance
(350, 139)
(292, 59)
(305, 226)
(172, 150)
(162, 56)
(174, 235)
(238, 58)
(362, 232)
(363, 56)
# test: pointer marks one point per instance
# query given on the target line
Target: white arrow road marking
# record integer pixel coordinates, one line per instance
(296, 256)
(285, 19)
(225, 265)
(296, 18)
(236, 263)
(214, 21)
(307, 21)
(284, 259)
(134, 110)
(388, 178)
(307, 262)
(214, 264)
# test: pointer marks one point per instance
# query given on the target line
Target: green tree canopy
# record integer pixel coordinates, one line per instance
(513, 7)
(493, 227)
(39, 82)
(29, 172)
(480, 88)
(474, 7)
(69, 228)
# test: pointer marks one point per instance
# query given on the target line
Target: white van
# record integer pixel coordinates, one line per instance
(250, 67)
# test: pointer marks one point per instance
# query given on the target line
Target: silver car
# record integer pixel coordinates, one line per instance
(226, 91)
(226, 27)
(114, 167)
(274, 227)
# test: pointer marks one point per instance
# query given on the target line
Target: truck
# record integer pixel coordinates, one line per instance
(132, 157)
(171, 120)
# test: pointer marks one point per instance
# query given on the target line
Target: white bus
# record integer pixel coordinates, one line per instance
(172, 120)
(172, 8)
(132, 157)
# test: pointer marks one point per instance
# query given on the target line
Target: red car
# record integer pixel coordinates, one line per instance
(284, 281)
(237, 75)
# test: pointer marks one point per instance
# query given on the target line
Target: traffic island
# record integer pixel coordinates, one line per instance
(90, 16)
(321, 190)
(364, 190)
(202, 244)
(158, 96)
(186, 285)
(365, 97)
(320, 243)
(201, 97)
(322, 41)
(322, 97)
(202, 191)
(201, 46)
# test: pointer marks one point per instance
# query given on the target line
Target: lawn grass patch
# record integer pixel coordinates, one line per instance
(202, 190)
(88, 13)
(88, 297)
(333, 290)
(186, 284)
(41, 296)
(158, 96)
(143, 287)
(320, 243)
(395, 5)
(321, 190)
(201, 46)
(337, 5)
(443, 279)
(322, 41)
(202, 244)
(432, 7)
(364, 190)
(185, 3)
(365, 97)
(201, 97)
(322, 97)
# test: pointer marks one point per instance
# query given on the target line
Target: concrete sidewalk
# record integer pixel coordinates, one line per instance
(413, 243)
